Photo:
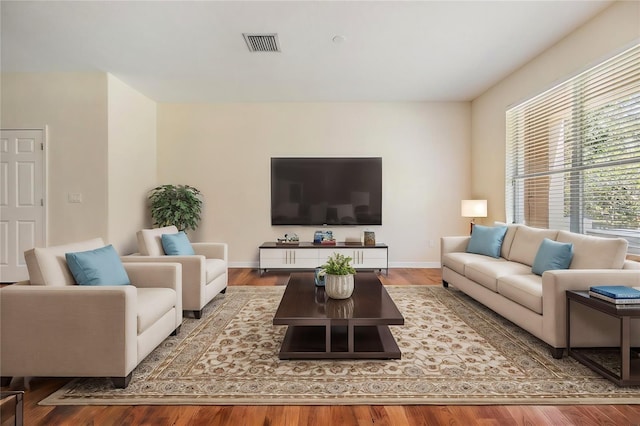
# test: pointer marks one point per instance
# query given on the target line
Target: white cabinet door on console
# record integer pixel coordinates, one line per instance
(370, 258)
(288, 258)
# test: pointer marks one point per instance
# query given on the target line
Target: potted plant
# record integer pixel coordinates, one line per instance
(178, 205)
(338, 276)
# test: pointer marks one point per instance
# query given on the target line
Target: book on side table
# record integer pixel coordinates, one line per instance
(617, 294)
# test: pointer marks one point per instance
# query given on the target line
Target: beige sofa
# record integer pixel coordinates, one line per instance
(538, 303)
(204, 275)
(52, 327)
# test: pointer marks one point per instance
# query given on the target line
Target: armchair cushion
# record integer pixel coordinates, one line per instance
(48, 266)
(152, 304)
(177, 244)
(149, 240)
(97, 267)
(215, 268)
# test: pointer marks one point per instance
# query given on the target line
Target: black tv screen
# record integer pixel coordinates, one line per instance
(326, 191)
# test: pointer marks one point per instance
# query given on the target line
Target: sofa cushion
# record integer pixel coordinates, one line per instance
(456, 261)
(101, 266)
(525, 290)
(149, 240)
(215, 268)
(595, 252)
(488, 273)
(152, 304)
(177, 244)
(486, 240)
(526, 242)
(508, 240)
(48, 266)
(552, 255)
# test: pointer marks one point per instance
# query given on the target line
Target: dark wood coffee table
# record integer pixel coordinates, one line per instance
(320, 327)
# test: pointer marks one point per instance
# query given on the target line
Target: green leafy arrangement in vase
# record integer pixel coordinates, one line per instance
(338, 264)
(178, 205)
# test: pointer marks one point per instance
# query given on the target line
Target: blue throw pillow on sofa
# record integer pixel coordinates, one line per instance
(552, 255)
(487, 240)
(97, 267)
(177, 244)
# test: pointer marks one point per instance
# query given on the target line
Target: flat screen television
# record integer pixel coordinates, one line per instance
(326, 191)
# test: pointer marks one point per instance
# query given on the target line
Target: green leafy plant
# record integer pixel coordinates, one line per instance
(338, 264)
(178, 205)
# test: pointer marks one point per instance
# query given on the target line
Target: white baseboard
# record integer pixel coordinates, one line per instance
(253, 265)
(431, 265)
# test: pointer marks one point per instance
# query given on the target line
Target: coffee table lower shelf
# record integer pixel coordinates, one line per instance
(339, 342)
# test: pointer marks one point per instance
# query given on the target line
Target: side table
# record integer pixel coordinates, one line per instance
(629, 368)
(12, 407)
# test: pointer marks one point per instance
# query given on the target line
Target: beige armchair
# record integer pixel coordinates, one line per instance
(52, 327)
(204, 275)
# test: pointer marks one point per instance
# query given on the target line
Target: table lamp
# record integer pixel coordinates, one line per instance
(473, 209)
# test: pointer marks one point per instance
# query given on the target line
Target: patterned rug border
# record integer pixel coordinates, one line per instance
(504, 336)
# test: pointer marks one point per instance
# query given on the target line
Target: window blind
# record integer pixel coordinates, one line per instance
(573, 153)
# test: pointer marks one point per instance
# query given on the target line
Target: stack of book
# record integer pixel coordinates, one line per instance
(618, 294)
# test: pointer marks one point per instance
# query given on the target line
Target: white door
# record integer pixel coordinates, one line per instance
(22, 215)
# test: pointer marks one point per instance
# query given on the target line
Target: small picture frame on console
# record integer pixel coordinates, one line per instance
(369, 238)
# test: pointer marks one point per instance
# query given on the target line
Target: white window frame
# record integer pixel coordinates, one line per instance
(573, 153)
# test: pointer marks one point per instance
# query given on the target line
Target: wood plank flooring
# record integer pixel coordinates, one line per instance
(321, 415)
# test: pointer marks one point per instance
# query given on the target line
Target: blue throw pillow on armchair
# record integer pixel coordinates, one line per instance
(487, 240)
(97, 267)
(177, 244)
(552, 255)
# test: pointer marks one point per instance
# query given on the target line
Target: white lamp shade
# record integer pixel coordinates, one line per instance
(473, 208)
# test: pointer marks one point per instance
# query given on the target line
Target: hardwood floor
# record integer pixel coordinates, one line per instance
(321, 415)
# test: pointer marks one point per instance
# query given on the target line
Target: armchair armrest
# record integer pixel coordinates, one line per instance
(211, 250)
(155, 275)
(454, 244)
(68, 330)
(193, 268)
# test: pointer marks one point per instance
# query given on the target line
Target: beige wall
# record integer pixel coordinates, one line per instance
(101, 143)
(225, 150)
(73, 106)
(131, 163)
(608, 33)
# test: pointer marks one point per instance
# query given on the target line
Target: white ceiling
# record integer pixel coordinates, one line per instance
(188, 51)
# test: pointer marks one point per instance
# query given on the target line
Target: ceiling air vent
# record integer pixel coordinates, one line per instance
(262, 42)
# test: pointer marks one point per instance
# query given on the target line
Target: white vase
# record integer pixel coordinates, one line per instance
(339, 286)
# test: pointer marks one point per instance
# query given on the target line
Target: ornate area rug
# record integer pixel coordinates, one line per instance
(454, 351)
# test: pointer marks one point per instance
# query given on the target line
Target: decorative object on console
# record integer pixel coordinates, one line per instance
(338, 276)
(369, 238)
(324, 237)
(178, 205)
(473, 209)
(289, 240)
(353, 240)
